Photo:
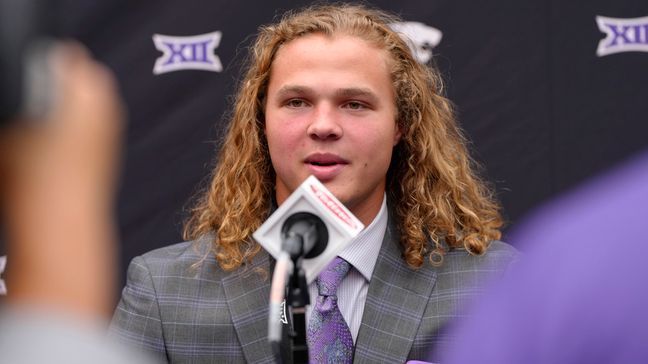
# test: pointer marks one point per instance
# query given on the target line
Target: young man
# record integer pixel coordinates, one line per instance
(330, 91)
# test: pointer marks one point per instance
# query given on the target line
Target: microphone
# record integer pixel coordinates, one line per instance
(304, 234)
(312, 224)
(27, 30)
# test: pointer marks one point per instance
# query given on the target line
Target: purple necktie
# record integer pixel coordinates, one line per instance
(329, 338)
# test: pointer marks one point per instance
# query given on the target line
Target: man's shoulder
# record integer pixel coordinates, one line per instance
(179, 258)
(194, 249)
(499, 256)
(189, 249)
(502, 249)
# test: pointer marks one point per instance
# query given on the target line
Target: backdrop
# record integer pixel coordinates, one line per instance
(549, 92)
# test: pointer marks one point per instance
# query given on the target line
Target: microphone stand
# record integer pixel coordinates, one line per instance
(298, 298)
(304, 235)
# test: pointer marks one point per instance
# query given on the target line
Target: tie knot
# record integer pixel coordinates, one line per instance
(330, 278)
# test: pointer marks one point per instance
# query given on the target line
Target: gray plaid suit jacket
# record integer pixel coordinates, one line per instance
(184, 314)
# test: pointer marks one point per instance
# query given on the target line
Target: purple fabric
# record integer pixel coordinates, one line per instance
(329, 338)
(580, 294)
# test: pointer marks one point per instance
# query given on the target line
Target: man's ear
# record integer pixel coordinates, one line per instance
(398, 135)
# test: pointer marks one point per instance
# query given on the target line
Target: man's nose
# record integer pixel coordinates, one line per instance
(325, 124)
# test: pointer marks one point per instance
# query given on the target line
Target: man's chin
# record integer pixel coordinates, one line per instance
(337, 191)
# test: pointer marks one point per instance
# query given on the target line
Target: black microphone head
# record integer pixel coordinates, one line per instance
(304, 233)
(22, 23)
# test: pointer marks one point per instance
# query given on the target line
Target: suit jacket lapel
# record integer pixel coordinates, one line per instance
(247, 291)
(395, 304)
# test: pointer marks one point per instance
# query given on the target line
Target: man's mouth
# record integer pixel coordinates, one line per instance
(323, 164)
(324, 160)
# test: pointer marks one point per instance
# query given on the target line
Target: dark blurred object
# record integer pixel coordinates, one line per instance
(24, 26)
(577, 296)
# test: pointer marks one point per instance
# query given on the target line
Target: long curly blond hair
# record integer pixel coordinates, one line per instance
(435, 195)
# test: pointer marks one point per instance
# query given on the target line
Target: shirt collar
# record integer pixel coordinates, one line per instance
(362, 252)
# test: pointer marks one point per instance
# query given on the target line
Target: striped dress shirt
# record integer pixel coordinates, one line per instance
(362, 254)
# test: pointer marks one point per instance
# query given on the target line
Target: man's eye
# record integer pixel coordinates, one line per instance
(354, 105)
(296, 103)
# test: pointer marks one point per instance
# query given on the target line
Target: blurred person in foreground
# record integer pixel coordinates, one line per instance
(330, 91)
(581, 294)
(57, 190)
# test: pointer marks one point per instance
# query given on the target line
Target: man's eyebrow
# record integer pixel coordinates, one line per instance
(356, 92)
(293, 89)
